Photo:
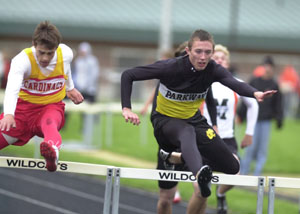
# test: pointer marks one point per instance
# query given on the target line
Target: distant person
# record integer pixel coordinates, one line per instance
(38, 80)
(226, 101)
(86, 69)
(87, 72)
(5, 70)
(271, 108)
(289, 84)
(177, 121)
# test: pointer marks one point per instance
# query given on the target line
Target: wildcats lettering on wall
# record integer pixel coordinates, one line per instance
(32, 164)
(182, 176)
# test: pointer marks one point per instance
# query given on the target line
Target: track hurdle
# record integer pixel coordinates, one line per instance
(181, 176)
(279, 182)
(68, 167)
(114, 174)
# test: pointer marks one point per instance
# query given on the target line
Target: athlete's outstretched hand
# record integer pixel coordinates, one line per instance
(7, 122)
(130, 116)
(260, 96)
(75, 96)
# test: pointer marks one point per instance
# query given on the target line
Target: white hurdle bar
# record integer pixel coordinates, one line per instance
(65, 166)
(280, 182)
(181, 176)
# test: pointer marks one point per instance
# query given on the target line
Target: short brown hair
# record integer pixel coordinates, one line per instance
(46, 34)
(202, 35)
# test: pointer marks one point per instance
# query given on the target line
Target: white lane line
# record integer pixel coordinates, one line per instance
(51, 185)
(35, 202)
(134, 209)
(68, 190)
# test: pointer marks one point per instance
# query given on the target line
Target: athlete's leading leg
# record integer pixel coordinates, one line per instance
(219, 157)
(50, 123)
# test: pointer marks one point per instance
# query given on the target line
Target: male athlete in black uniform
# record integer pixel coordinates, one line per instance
(177, 122)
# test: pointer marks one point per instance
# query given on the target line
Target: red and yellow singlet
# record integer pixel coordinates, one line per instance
(41, 89)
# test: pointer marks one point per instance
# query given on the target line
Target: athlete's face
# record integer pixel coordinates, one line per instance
(44, 55)
(220, 58)
(200, 54)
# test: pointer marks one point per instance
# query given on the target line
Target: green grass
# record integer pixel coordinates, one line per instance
(138, 141)
(283, 148)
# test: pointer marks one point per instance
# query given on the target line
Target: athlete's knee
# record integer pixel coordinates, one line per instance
(51, 117)
(234, 168)
(165, 203)
(166, 196)
(50, 123)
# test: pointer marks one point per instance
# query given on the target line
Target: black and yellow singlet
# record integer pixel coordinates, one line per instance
(182, 88)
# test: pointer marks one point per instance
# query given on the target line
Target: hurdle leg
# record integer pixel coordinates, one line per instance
(144, 131)
(116, 192)
(260, 195)
(271, 196)
(109, 129)
(88, 129)
(99, 135)
(37, 140)
(108, 190)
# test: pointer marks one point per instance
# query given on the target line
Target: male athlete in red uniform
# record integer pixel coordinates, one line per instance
(38, 81)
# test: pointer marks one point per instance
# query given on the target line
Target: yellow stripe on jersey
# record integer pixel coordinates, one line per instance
(178, 105)
(41, 89)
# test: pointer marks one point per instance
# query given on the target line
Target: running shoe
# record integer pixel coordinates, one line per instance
(177, 197)
(203, 179)
(165, 156)
(50, 153)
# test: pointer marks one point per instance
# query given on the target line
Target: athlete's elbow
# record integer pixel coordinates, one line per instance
(126, 76)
